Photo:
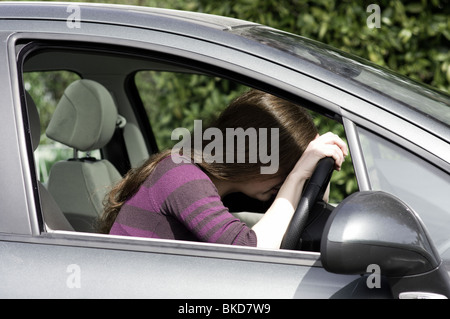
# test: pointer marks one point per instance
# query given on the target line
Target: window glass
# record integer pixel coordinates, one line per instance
(422, 186)
(46, 89)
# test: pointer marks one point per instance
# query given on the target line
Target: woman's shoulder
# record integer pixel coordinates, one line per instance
(176, 168)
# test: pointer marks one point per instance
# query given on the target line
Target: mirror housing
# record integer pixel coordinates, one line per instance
(376, 228)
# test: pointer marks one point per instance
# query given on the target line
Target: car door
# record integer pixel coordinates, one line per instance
(37, 262)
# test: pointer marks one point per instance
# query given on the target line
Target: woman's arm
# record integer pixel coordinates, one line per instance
(272, 227)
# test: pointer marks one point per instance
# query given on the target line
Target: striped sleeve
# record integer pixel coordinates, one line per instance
(187, 193)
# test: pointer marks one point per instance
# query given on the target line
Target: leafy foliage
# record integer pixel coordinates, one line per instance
(175, 100)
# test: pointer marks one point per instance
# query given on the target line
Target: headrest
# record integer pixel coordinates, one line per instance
(85, 117)
(33, 118)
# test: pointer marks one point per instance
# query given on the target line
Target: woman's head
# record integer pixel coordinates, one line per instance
(253, 111)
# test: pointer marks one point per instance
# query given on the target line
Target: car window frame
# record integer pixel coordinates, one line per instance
(197, 249)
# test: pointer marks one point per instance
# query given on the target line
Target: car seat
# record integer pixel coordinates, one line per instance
(85, 119)
(53, 217)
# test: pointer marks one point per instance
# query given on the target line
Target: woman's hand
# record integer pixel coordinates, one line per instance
(272, 227)
(326, 145)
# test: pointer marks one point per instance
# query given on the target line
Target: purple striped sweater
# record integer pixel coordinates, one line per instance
(179, 201)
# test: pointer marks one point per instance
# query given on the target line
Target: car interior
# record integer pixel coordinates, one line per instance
(101, 111)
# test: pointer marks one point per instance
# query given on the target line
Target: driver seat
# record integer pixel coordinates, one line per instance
(85, 120)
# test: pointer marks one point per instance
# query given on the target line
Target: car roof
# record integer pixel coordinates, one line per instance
(114, 13)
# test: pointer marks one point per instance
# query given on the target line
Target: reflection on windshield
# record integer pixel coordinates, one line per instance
(413, 94)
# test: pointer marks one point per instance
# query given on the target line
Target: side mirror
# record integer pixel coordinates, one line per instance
(376, 228)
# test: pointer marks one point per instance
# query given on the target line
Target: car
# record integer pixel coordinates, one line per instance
(388, 239)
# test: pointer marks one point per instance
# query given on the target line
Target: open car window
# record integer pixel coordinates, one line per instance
(152, 98)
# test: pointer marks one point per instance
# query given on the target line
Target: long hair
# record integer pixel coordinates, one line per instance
(254, 109)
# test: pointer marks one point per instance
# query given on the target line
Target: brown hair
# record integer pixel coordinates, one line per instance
(254, 109)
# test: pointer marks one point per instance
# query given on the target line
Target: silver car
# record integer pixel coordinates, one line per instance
(388, 239)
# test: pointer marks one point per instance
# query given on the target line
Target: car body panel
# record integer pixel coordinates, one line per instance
(15, 153)
(149, 270)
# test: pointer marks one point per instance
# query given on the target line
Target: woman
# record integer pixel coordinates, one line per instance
(181, 199)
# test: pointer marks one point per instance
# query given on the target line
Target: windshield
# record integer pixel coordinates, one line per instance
(410, 93)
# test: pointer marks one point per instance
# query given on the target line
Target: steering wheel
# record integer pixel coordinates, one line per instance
(313, 192)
